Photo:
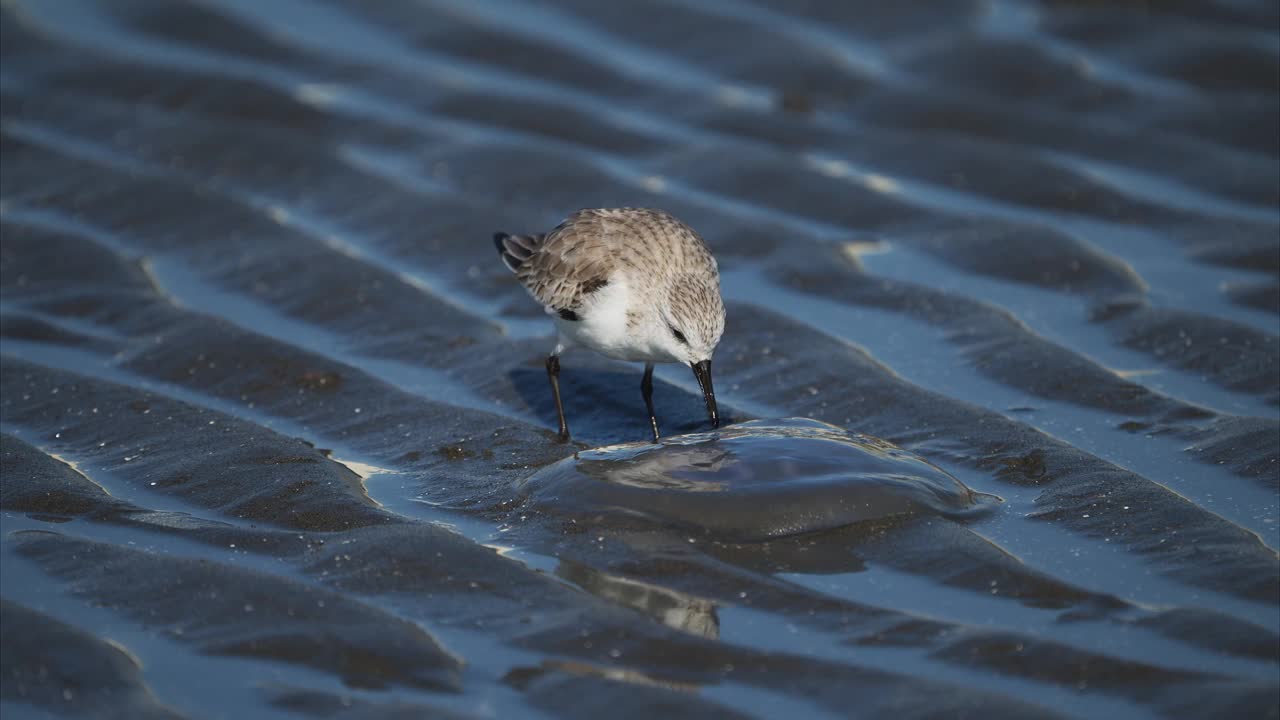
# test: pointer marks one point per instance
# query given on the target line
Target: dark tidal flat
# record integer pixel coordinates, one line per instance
(1000, 380)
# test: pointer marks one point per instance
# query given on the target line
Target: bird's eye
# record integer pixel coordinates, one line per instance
(679, 335)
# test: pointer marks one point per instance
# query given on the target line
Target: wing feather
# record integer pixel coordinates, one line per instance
(564, 267)
(573, 261)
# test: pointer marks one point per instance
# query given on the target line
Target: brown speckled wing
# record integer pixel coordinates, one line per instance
(580, 255)
(574, 261)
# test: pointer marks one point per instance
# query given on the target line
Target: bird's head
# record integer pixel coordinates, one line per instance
(694, 314)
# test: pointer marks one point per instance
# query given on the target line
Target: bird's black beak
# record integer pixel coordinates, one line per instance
(702, 371)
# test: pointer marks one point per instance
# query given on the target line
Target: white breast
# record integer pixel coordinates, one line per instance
(602, 326)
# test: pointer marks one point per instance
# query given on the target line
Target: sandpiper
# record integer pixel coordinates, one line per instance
(630, 283)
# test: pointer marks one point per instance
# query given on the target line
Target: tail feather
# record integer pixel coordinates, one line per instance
(516, 249)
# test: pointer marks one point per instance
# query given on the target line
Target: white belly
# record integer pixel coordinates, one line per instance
(602, 326)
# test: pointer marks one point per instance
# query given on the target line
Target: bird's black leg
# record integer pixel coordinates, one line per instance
(553, 375)
(646, 389)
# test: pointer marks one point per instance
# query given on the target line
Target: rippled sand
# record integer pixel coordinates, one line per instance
(277, 438)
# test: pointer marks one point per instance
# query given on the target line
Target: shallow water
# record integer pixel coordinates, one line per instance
(753, 481)
(277, 439)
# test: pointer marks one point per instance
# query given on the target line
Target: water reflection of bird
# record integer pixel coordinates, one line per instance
(631, 284)
(687, 613)
(691, 468)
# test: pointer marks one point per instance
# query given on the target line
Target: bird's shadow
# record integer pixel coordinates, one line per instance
(604, 406)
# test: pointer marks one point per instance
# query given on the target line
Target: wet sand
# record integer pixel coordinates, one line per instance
(277, 441)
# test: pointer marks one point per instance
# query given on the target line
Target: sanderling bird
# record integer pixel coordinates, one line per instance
(631, 284)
